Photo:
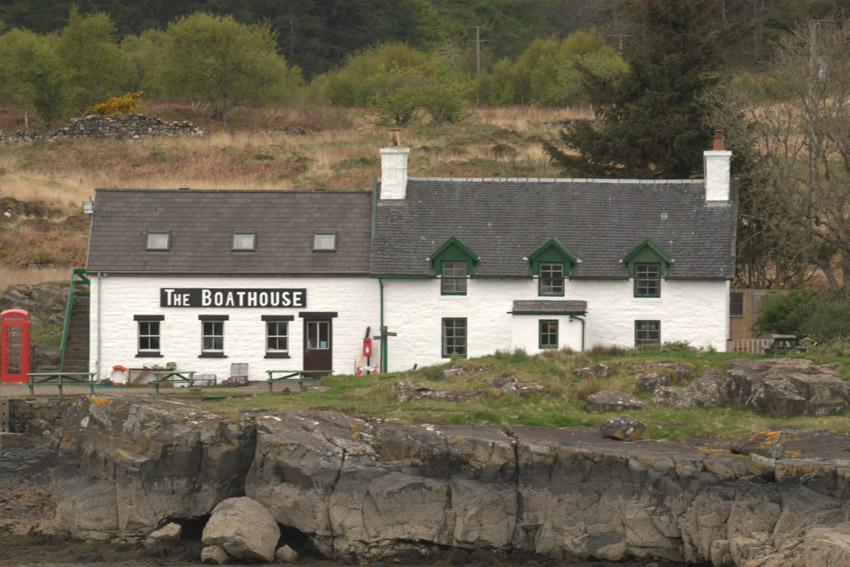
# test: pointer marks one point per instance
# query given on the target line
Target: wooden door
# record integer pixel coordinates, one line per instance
(318, 345)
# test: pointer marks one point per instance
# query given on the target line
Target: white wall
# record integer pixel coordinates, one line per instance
(356, 300)
(692, 311)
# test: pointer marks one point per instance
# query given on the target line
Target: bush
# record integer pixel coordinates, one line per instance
(117, 104)
(822, 316)
(784, 314)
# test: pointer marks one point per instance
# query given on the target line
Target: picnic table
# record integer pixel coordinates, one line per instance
(299, 376)
(171, 377)
(783, 344)
(60, 379)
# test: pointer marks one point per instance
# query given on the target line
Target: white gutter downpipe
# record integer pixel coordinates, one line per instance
(99, 340)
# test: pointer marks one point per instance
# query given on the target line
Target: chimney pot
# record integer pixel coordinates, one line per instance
(718, 140)
(395, 138)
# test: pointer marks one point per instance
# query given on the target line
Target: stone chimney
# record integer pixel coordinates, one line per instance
(394, 169)
(717, 171)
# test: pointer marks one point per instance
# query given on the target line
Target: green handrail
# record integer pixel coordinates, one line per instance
(78, 277)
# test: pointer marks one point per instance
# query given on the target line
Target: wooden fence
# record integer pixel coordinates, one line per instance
(755, 346)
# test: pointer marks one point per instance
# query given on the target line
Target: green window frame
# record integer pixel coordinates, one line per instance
(454, 337)
(548, 333)
(648, 280)
(551, 281)
(647, 332)
(453, 279)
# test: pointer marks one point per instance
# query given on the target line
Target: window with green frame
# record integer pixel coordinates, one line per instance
(551, 263)
(551, 280)
(454, 337)
(453, 280)
(548, 333)
(648, 280)
(647, 332)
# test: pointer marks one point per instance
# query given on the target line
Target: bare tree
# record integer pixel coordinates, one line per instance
(791, 127)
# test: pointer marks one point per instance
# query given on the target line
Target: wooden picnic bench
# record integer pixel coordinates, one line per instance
(61, 379)
(299, 376)
(171, 377)
(783, 344)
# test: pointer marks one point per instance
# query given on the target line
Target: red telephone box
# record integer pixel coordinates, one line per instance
(14, 345)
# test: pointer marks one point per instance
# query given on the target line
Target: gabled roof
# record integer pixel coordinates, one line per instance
(599, 221)
(201, 224)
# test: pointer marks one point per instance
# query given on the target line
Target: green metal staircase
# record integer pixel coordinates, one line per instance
(75, 333)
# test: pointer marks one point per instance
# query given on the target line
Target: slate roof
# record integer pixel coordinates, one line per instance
(201, 224)
(554, 307)
(598, 221)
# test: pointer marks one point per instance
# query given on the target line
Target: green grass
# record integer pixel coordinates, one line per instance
(563, 406)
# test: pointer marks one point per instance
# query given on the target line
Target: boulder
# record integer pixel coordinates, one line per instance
(244, 528)
(505, 384)
(215, 555)
(649, 382)
(597, 371)
(828, 546)
(460, 368)
(407, 392)
(609, 400)
(286, 555)
(676, 370)
(672, 396)
(706, 391)
(622, 427)
(768, 444)
(526, 391)
(169, 534)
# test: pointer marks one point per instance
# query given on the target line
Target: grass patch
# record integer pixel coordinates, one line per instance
(562, 406)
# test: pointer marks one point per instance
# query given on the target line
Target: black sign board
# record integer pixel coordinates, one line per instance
(237, 298)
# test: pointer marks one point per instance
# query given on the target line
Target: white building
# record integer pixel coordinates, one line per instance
(293, 279)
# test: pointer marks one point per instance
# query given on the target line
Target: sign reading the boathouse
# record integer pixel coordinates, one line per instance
(217, 297)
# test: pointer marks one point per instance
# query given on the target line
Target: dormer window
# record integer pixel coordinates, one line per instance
(647, 264)
(324, 242)
(453, 263)
(244, 241)
(551, 263)
(159, 241)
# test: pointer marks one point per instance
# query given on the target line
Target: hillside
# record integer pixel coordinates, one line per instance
(43, 183)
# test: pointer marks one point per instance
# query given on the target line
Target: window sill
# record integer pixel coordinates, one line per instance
(212, 355)
(148, 355)
(277, 355)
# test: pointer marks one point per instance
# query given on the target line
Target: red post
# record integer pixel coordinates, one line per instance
(14, 346)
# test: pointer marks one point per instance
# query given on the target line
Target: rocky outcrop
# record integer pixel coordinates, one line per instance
(368, 490)
(622, 427)
(118, 127)
(781, 387)
(610, 400)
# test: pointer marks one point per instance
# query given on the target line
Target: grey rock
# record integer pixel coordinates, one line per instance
(460, 368)
(215, 555)
(676, 370)
(600, 370)
(768, 444)
(286, 554)
(622, 427)
(609, 400)
(407, 392)
(828, 546)
(119, 127)
(244, 528)
(672, 396)
(169, 534)
(534, 389)
(649, 382)
(505, 384)
(88, 510)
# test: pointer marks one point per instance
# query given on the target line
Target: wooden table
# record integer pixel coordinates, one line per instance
(172, 377)
(299, 376)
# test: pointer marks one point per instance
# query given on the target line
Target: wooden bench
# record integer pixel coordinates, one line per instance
(61, 379)
(299, 376)
(171, 377)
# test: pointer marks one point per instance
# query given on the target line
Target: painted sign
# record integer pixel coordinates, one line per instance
(217, 297)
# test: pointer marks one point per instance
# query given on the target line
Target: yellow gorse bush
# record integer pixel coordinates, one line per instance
(117, 104)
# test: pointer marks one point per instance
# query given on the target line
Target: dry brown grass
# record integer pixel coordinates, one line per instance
(32, 276)
(338, 151)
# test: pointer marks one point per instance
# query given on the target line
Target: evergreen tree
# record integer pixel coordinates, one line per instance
(649, 121)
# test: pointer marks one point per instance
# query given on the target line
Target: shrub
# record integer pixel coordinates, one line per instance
(117, 104)
(784, 314)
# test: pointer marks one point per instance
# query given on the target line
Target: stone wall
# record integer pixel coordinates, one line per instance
(118, 127)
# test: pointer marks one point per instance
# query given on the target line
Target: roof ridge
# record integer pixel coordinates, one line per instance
(615, 181)
(181, 191)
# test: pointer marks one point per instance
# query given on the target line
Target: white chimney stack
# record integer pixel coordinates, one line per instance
(717, 171)
(394, 169)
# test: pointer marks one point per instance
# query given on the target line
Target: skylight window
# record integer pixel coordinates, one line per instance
(158, 241)
(244, 241)
(324, 242)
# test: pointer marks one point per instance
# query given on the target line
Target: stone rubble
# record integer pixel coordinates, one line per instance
(117, 127)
